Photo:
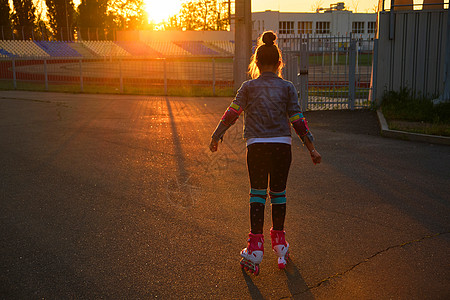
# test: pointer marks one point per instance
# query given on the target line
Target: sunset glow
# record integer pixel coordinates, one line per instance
(160, 10)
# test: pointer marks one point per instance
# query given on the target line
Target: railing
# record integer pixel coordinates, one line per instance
(177, 76)
(394, 4)
(331, 72)
(412, 51)
(62, 34)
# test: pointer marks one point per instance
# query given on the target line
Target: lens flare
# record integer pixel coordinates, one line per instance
(160, 10)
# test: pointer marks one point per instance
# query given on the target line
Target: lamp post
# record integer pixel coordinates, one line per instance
(242, 41)
(67, 21)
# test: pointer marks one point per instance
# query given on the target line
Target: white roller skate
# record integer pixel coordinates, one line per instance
(253, 254)
(280, 246)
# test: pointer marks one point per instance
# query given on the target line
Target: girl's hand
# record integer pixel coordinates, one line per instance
(213, 145)
(316, 157)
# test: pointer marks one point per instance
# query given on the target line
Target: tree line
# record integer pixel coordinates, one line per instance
(63, 21)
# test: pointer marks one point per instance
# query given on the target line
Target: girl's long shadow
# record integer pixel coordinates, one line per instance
(252, 288)
(296, 284)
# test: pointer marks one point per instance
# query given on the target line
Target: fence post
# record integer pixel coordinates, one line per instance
(81, 76)
(392, 21)
(120, 76)
(214, 76)
(45, 74)
(351, 75)
(303, 75)
(165, 77)
(14, 73)
(373, 85)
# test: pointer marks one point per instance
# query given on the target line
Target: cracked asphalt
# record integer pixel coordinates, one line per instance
(118, 197)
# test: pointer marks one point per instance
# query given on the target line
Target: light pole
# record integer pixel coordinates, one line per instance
(67, 22)
(242, 40)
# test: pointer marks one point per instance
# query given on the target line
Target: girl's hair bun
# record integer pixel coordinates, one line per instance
(268, 38)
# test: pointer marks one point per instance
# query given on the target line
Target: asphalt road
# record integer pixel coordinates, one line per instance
(117, 197)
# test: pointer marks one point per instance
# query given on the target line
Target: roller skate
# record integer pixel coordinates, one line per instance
(280, 246)
(253, 254)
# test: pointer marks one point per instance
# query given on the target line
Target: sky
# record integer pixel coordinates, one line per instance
(306, 5)
(159, 10)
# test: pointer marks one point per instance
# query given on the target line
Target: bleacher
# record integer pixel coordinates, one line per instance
(92, 49)
(105, 48)
(168, 48)
(57, 49)
(82, 49)
(138, 49)
(4, 53)
(227, 47)
(196, 48)
(21, 49)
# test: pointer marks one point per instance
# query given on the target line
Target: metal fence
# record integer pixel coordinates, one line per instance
(412, 51)
(199, 75)
(331, 72)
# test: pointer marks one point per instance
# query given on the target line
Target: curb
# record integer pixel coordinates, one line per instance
(409, 136)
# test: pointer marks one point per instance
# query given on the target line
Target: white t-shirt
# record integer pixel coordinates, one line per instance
(278, 139)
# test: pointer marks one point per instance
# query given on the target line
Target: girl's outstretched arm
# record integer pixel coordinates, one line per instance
(229, 117)
(213, 145)
(300, 125)
(315, 156)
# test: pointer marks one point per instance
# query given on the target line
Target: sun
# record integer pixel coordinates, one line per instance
(160, 10)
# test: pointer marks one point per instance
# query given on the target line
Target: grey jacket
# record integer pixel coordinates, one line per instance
(267, 102)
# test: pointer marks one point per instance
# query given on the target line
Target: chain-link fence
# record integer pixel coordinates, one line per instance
(331, 72)
(191, 76)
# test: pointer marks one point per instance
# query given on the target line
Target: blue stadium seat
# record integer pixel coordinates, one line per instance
(196, 48)
(57, 49)
(4, 53)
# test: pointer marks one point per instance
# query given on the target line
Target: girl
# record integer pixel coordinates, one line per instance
(269, 104)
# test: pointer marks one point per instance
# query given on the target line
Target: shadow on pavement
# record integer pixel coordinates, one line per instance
(296, 284)
(252, 288)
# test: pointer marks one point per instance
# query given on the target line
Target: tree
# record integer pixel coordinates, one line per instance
(41, 31)
(355, 4)
(92, 13)
(189, 16)
(23, 17)
(126, 14)
(204, 15)
(5, 19)
(317, 5)
(61, 15)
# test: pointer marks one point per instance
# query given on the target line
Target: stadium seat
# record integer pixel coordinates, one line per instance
(227, 47)
(167, 48)
(138, 49)
(22, 49)
(82, 49)
(105, 48)
(196, 48)
(57, 49)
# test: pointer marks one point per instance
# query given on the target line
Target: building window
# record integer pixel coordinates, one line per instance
(322, 27)
(372, 27)
(286, 27)
(304, 27)
(357, 27)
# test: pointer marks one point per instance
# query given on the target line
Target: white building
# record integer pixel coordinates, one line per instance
(332, 22)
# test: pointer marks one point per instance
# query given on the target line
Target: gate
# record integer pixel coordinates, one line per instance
(330, 72)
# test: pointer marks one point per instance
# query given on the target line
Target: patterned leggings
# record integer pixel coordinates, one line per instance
(268, 165)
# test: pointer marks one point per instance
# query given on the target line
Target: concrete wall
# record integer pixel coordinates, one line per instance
(415, 57)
